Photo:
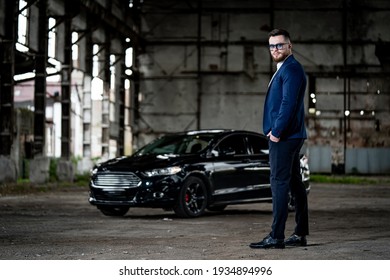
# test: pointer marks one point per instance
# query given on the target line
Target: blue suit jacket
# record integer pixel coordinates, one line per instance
(284, 109)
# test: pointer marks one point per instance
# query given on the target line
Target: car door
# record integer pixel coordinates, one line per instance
(260, 170)
(233, 175)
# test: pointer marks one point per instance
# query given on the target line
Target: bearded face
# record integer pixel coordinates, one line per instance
(280, 48)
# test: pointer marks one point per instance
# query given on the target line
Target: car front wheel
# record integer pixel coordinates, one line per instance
(192, 199)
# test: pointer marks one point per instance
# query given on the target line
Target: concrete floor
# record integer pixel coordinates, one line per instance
(347, 222)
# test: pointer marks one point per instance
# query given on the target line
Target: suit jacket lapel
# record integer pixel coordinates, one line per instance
(276, 72)
(273, 76)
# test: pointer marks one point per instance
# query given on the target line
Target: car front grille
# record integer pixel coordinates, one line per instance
(113, 196)
(116, 179)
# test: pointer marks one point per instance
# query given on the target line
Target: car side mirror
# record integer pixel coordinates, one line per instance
(214, 153)
(228, 152)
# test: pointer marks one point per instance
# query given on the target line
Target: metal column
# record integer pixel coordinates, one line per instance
(122, 104)
(87, 101)
(7, 58)
(66, 73)
(40, 81)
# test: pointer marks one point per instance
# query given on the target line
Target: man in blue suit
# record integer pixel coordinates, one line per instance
(284, 124)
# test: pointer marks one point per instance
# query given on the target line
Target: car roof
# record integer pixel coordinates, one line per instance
(220, 132)
(215, 131)
(207, 131)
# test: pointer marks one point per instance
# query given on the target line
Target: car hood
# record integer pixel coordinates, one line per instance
(144, 162)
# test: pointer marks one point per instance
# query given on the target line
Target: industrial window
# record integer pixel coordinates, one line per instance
(22, 41)
(51, 45)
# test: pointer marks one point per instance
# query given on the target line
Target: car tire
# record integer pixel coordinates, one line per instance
(114, 210)
(192, 201)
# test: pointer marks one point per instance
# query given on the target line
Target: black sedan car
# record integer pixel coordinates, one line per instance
(189, 173)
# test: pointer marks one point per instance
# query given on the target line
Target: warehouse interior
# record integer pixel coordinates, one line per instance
(83, 81)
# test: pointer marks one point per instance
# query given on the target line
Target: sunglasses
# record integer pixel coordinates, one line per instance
(277, 46)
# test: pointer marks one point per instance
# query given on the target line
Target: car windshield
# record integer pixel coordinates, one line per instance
(176, 144)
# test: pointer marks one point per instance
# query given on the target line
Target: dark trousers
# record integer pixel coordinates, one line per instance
(286, 177)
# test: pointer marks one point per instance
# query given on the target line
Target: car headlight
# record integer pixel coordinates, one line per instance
(93, 171)
(163, 171)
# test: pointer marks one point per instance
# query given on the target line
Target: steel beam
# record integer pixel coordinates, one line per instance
(66, 81)
(7, 58)
(40, 82)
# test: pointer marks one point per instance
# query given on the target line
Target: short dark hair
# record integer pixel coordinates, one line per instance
(279, 31)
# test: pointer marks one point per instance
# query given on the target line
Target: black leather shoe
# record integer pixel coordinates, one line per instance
(268, 242)
(296, 240)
